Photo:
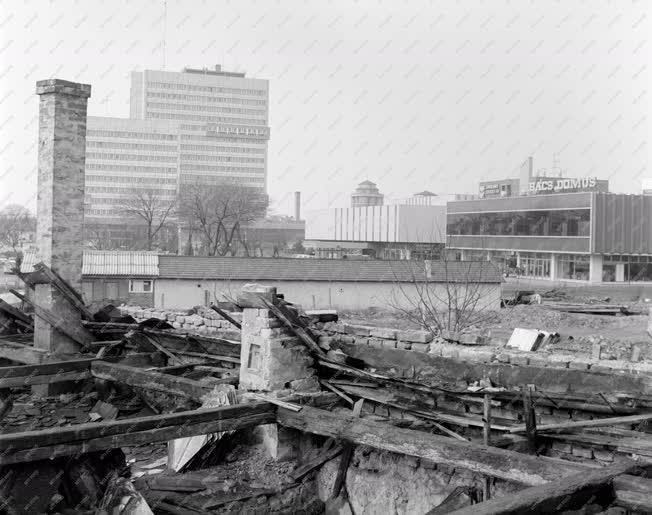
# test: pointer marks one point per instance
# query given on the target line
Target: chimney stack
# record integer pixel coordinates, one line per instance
(297, 205)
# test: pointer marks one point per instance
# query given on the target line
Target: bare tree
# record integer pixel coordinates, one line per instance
(150, 206)
(219, 214)
(443, 295)
(97, 237)
(15, 221)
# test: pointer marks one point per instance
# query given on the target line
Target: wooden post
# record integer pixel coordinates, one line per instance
(486, 436)
(529, 418)
(347, 452)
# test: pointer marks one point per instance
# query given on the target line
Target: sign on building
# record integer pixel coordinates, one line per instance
(560, 185)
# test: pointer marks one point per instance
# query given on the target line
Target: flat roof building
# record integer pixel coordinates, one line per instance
(586, 236)
(222, 118)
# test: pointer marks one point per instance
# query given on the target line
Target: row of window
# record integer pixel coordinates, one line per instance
(121, 201)
(130, 168)
(220, 179)
(201, 98)
(130, 178)
(130, 157)
(101, 212)
(224, 169)
(129, 135)
(134, 146)
(205, 108)
(567, 222)
(200, 118)
(211, 148)
(222, 138)
(129, 190)
(210, 89)
(208, 158)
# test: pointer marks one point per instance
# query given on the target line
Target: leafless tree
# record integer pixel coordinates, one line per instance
(97, 237)
(15, 221)
(219, 213)
(443, 295)
(153, 209)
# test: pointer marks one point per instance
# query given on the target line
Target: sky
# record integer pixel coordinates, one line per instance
(413, 95)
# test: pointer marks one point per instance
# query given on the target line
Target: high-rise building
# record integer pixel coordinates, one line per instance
(222, 117)
(191, 127)
(126, 159)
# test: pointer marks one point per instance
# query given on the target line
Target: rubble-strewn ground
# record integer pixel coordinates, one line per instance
(579, 332)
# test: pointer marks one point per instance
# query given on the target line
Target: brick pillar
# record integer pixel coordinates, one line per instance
(60, 210)
(271, 357)
(272, 360)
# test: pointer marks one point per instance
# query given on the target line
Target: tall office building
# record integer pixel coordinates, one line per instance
(189, 127)
(222, 117)
(125, 158)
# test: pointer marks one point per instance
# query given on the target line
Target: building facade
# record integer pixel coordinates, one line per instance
(586, 236)
(126, 160)
(222, 119)
(397, 231)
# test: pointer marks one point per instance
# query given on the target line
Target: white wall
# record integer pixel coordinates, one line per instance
(389, 223)
(172, 293)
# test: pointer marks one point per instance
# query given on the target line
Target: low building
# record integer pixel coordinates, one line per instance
(588, 236)
(118, 276)
(324, 283)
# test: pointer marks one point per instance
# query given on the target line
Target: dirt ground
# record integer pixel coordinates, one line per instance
(579, 332)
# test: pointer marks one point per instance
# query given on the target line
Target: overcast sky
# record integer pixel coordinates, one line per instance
(412, 95)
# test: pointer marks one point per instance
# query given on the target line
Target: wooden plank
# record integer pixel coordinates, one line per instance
(21, 353)
(210, 417)
(327, 455)
(226, 316)
(347, 452)
(409, 403)
(580, 424)
(136, 431)
(150, 380)
(295, 328)
(492, 461)
(139, 338)
(486, 440)
(74, 332)
(14, 382)
(564, 494)
(530, 419)
(15, 313)
(71, 295)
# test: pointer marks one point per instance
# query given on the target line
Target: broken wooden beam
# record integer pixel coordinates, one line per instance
(226, 316)
(284, 315)
(76, 333)
(492, 461)
(581, 424)
(16, 313)
(347, 453)
(73, 297)
(633, 493)
(557, 496)
(71, 440)
(150, 380)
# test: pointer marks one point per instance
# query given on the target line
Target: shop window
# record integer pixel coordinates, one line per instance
(140, 286)
(535, 265)
(576, 267)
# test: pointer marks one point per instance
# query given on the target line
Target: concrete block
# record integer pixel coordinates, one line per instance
(420, 347)
(415, 336)
(403, 345)
(503, 357)
(519, 359)
(383, 332)
(578, 364)
(449, 351)
(386, 344)
(562, 447)
(603, 455)
(583, 452)
(252, 296)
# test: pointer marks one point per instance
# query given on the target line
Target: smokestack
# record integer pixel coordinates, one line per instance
(297, 205)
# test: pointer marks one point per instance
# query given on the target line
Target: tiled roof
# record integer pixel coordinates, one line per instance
(350, 270)
(108, 263)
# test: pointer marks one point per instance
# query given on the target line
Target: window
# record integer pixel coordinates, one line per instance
(566, 222)
(140, 286)
(575, 267)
